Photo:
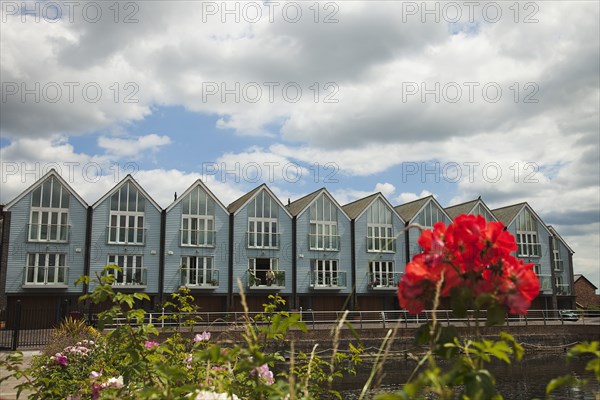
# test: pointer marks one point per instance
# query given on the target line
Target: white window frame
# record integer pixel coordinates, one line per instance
(557, 261)
(382, 271)
(207, 233)
(48, 271)
(324, 236)
(326, 272)
(122, 260)
(527, 238)
(380, 238)
(122, 222)
(203, 270)
(262, 235)
(273, 266)
(56, 225)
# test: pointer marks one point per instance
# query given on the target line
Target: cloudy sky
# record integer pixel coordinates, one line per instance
(455, 99)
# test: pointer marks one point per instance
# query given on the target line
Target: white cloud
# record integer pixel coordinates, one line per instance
(407, 197)
(134, 147)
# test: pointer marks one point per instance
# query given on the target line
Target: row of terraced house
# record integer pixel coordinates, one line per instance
(314, 252)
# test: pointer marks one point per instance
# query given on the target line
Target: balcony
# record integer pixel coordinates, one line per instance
(377, 244)
(324, 242)
(189, 238)
(45, 277)
(56, 233)
(130, 278)
(128, 236)
(206, 279)
(328, 280)
(261, 240)
(563, 289)
(384, 280)
(265, 279)
(545, 283)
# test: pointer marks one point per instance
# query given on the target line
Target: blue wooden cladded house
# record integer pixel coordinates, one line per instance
(323, 252)
(260, 248)
(126, 231)
(379, 251)
(197, 247)
(46, 231)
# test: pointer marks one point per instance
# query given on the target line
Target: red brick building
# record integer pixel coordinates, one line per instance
(585, 292)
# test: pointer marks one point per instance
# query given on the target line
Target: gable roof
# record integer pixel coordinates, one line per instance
(408, 211)
(189, 190)
(131, 180)
(507, 214)
(555, 233)
(358, 207)
(299, 206)
(34, 186)
(577, 277)
(240, 203)
(466, 208)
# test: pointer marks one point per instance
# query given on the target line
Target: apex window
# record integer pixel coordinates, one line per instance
(380, 230)
(127, 206)
(49, 217)
(323, 225)
(527, 238)
(263, 222)
(197, 219)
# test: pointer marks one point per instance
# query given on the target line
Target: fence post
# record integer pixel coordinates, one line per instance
(17, 327)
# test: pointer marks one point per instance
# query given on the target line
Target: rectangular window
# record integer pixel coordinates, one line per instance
(132, 271)
(48, 226)
(382, 275)
(528, 244)
(325, 273)
(262, 233)
(198, 271)
(324, 236)
(46, 269)
(380, 238)
(126, 220)
(265, 272)
(556, 258)
(197, 231)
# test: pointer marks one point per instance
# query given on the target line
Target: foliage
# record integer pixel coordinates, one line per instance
(582, 349)
(128, 363)
(183, 303)
(69, 333)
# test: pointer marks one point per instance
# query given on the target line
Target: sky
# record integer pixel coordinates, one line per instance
(455, 99)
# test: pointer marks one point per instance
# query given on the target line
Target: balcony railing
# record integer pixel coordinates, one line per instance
(563, 289)
(130, 278)
(262, 240)
(197, 238)
(328, 279)
(323, 242)
(45, 277)
(200, 278)
(265, 279)
(129, 236)
(380, 244)
(384, 280)
(545, 283)
(48, 233)
(529, 250)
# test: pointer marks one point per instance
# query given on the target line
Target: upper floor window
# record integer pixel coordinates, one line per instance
(49, 218)
(556, 258)
(323, 225)
(197, 219)
(527, 238)
(127, 206)
(380, 230)
(430, 215)
(263, 229)
(481, 210)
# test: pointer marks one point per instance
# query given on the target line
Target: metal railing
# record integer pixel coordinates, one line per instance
(328, 279)
(384, 280)
(323, 242)
(262, 240)
(58, 233)
(45, 276)
(265, 279)
(201, 278)
(197, 238)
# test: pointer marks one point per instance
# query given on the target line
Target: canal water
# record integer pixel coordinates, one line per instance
(523, 380)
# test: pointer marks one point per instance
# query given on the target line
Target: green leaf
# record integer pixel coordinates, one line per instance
(496, 315)
(422, 335)
(565, 380)
(516, 347)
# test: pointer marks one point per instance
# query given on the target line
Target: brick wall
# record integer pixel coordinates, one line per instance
(586, 294)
